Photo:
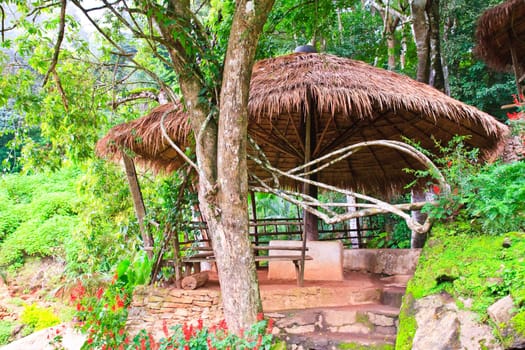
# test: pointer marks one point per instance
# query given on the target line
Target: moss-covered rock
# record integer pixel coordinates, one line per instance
(468, 266)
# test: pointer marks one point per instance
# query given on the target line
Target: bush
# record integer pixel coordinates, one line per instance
(491, 196)
(38, 318)
(6, 329)
(37, 238)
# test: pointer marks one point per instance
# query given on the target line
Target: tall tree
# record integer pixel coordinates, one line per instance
(210, 47)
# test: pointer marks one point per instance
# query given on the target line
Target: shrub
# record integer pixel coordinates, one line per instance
(37, 238)
(37, 318)
(6, 328)
(492, 196)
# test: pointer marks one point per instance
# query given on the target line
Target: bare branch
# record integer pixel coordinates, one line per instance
(60, 89)
(172, 144)
(60, 38)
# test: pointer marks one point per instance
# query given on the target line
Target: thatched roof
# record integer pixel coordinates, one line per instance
(350, 102)
(499, 29)
(142, 139)
(353, 102)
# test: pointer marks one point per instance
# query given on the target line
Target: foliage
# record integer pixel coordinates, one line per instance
(102, 312)
(37, 238)
(407, 324)
(460, 261)
(38, 215)
(491, 196)
(186, 336)
(471, 81)
(38, 318)
(356, 346)
(6, 328)
(107, 231)
(518, 323)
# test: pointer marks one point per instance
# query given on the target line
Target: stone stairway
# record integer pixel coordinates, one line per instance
(363, 310)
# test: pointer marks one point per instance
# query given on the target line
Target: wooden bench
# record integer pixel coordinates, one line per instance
(205, 254)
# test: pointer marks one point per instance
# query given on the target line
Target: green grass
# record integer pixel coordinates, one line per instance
(6, 328)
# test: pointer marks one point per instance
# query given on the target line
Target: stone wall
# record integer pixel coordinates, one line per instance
(382, 261)
(152, 307)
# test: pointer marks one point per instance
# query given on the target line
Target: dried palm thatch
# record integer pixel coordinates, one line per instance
(350, 102)
(499, 29)
(142, 139)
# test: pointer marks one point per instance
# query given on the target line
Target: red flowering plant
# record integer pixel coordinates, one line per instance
(516, 119)
(186, 337)
(102, 313)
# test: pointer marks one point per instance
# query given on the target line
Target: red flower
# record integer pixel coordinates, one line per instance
(165, 328)
(259, 342)
(99, 293)
(119, 302)
(449, 163)
(260, 316)
(90, 341)
(436, 189)
(143, 344)
(79, 307)
(514, 115)
(200, 324)
(269, 328)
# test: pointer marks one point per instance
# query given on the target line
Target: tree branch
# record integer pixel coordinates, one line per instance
(58, 43)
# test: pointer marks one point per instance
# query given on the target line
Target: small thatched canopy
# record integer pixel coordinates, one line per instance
(499, 29)
(348, 101)
(351, 102)
(142, 139)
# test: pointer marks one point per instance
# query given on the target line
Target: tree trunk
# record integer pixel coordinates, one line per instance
(420, 27)
(221, 149)
(230, 238)
(418, 239)
(437, 77)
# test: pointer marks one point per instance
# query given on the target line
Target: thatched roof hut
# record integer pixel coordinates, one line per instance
(347, 102)
(500, 30)
(142, 139)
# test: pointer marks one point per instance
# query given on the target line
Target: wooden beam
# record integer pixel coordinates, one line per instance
(138, 203)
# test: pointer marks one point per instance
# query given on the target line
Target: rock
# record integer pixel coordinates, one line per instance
(457, 329)
(501, 312)
(506, 242)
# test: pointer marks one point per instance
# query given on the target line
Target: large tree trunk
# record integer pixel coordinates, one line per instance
(231, 243)
(221, 151)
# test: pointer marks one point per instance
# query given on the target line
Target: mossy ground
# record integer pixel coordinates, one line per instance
(476, 269)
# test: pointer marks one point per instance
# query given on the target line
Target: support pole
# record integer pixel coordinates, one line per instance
(138, 203)
(310, 221)
(518, 71)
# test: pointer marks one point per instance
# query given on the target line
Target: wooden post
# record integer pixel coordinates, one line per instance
(138, 203)
(518, 71)
(310, 221)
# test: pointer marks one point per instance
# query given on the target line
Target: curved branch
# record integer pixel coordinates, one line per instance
(172, 144)
(58, 43)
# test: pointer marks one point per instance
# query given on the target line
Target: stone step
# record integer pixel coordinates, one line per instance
(329, 341)
(392, 296)
(366, 320)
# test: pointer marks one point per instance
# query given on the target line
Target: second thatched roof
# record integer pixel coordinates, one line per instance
(499, 29)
